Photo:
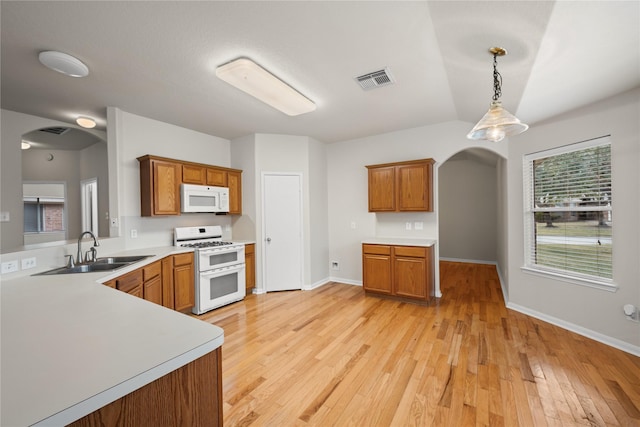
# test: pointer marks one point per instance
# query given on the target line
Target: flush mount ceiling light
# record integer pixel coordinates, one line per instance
(86, 122)
(498, 122)
(63, 63)
(251, 78)
(25, 145)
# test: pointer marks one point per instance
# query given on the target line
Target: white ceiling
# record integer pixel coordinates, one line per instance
(157, 59)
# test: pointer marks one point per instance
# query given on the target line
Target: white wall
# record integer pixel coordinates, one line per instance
(347, 188)
(318, 214)
(590, 311)
(137, 136)
(468, 206)
(298, 154)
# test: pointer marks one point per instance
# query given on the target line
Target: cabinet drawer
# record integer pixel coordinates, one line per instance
(152, 270)
(129, 281)
(182, 259)
(376, 249)
(193, 174)
(411, 251)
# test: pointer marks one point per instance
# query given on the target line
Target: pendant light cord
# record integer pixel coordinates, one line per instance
(497, 80)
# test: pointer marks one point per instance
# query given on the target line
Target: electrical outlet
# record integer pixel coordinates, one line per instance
(9, 267)
(28, 263)
(418, 225)
(353, 225)
(335, 265)
(5, 216)
(134, 233)
(408, 225)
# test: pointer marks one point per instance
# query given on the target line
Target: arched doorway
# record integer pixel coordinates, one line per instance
(469, 203)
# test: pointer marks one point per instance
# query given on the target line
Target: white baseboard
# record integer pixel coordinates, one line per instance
(613, 342)
(346, 281)
(316, 284)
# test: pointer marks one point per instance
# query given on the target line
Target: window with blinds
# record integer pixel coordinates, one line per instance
(568, 213)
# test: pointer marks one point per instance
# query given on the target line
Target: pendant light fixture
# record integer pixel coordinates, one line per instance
(498, 122)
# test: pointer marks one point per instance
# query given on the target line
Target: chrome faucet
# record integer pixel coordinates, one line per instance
(92, 250)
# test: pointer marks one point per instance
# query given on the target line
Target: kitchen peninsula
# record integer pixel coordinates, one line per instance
(76, 350)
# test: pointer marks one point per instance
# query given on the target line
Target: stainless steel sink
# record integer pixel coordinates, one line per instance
(121, 259)
(101, 264)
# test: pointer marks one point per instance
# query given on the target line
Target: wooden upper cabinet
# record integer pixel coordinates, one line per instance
(159, 187)
(401, 187)
(234, 181)
(382, 182)
(194, 174)
(160, 180)
(217, 177)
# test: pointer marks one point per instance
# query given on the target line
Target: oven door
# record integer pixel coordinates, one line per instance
(219, 287)
(220, 256)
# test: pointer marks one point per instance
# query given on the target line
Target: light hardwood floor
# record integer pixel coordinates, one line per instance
(334, 356)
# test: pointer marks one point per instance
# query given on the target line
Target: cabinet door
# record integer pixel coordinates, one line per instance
(414, 187)
(410, 277)
(193, 174)
(234, 181)
(250, 266)
(152, 290)
(166, 188)
(183, 281)
(376, 273)
(217, 177)
(167, 283)
(130, 283)
(382, 189)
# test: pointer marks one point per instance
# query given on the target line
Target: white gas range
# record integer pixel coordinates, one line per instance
(219, 266)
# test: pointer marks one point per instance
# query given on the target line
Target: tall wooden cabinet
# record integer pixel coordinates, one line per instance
(404, 272)
(401, 187)
(160, 180)
(159, 187)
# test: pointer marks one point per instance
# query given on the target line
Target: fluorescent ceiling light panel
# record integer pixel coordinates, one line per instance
(251, 78)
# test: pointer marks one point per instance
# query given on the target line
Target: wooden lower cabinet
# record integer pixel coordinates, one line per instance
(152, 282)
(130, 283)
(376, 264)
(183, 282)
(188, 396)
(398, 271)
(169, 282)
(250, 266)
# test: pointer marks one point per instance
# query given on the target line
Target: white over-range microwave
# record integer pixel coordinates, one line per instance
(204, 198)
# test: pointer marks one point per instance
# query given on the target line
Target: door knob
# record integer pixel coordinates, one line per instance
(268, 239)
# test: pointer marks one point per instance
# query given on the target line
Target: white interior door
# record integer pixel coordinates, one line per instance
(282, 231)
(89, 204)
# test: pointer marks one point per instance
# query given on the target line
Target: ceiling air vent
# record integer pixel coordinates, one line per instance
(55, 130)
(375, 79)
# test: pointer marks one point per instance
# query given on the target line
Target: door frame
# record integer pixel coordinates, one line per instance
(263, 236)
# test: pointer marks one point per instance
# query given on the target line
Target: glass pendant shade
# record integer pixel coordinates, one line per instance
(497, 124)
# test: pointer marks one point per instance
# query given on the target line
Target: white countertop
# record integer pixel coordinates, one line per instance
(399, 241)
(71, 345)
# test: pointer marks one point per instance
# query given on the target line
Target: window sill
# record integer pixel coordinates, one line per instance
(604, 286)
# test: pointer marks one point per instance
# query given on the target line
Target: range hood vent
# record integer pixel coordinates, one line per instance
(375, 79)
(55, 130)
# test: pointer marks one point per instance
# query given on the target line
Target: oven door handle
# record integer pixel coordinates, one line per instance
(217, 271)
